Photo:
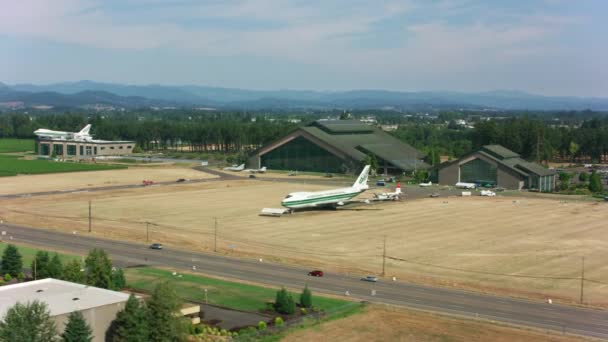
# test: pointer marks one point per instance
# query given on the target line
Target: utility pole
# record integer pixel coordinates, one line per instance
(384, 257)
(582, 279)
(89, 216)
(147, 231)
(35, 268)
(215, 235)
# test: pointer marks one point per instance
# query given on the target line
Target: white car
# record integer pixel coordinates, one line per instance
(372, 279)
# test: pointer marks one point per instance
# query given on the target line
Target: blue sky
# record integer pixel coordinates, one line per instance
(550, 47)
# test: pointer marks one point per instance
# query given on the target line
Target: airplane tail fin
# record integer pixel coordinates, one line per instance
(85, 130)
(398, 189)
(361, 182)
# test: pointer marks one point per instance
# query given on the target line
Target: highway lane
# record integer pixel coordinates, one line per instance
(576, 320)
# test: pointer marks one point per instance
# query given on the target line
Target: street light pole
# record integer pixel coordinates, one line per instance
(384, 257)
(89, 216)
(215, 235)
(147, 231)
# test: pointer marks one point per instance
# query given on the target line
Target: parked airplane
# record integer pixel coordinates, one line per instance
(83, 135)
(389, 196)
(235, 168)
(335, 197)
(426, 184)
(463, 185)
(262, 170)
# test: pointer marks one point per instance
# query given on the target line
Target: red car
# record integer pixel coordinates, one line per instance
(315, 273)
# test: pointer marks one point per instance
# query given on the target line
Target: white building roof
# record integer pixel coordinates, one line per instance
(60, 296)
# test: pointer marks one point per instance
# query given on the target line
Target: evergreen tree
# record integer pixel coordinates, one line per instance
(29, 322)
(77, 329)
(98, 269)
(284, 302)
(72, 272)
(11, 261)
(595, 183)
(164, 324)
(306, 298)
(118, 279)
(55, 267)
(583, 177)
(131, 323)
(40, 265)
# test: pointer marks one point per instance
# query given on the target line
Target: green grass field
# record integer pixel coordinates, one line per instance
(219, 292)
(28, 253)
(16, 145)
(12, 166)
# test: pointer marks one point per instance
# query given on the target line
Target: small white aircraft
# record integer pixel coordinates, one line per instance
(335, 197)
(488, 193)
(463, 185)
(235, 168)
(424, 185)
(389, 196)
(261, 170)
(83, 135)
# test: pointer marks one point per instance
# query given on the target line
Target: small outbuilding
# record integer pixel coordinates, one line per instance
(338, 146)
(495, 165)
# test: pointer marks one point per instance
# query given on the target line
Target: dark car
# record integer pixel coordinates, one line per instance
(156, 246)
(181, 180)
(315, 273)
(252, 176)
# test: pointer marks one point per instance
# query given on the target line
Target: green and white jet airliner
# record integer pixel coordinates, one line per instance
(335, 197)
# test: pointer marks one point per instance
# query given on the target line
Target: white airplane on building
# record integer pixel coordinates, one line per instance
(261, 170)
(235, 168)
(83, 135)
(424, 185)
(335, 197)
(463, 185)
(389, 196)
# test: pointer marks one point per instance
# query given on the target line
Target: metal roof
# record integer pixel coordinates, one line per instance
(60, 296)
(357, 142)
(500, 152)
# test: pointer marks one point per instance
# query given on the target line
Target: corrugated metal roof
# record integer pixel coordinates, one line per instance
(500, 151)
(341, 126)
(358, 145)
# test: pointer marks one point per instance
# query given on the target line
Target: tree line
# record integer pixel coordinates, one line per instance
(540, 138)
(533, 139)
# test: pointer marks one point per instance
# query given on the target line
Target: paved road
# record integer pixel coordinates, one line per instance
(573, 320)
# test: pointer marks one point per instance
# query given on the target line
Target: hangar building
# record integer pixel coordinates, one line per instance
(338, 146)
(497, 166)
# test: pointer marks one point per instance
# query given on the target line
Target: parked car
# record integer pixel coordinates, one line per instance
(181, 180)
(434, 195)
(156, 246)
(315, 273)
(252, 176)
(372, 279)
(380, 182)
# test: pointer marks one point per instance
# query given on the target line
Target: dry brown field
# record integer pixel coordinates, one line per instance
(379, 323)
(82, 180)
(489, 244)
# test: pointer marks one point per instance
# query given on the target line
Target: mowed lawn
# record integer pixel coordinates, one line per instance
(16, 145)
(28, 253)
(12, 166)
(219, 292)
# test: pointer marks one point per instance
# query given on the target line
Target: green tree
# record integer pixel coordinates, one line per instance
(583, 177)
(73, 272)
(29, 322)
(98, 269)
(77, 329)
(164, 324)
(284, 302)
(372, 161)
(131, 324)
(306, 298)
(40, 265)
(11, 261)
(55, 267)
(118, 279)
(573, 149)
(595, 183)
(564, 179)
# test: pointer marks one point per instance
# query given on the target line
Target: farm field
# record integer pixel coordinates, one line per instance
(522, 246)
(79, 180)
(16, 145)
(12, 166)
(381, 323)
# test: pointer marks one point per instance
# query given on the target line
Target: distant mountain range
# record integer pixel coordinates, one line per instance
(87, 93)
